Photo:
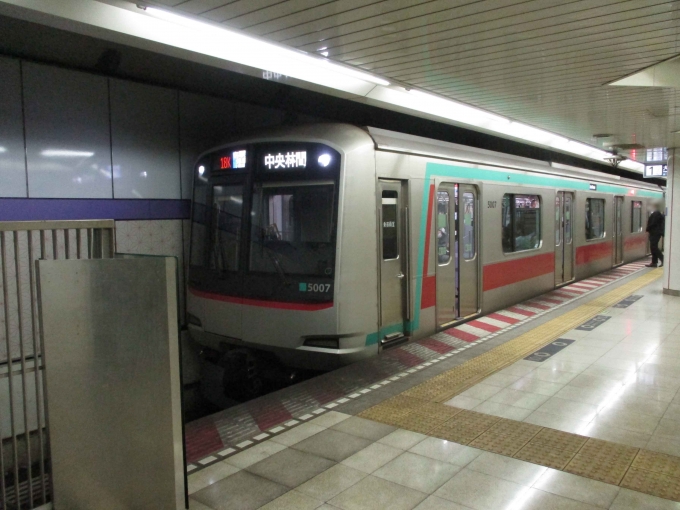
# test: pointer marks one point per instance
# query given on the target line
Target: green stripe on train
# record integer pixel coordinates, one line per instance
(485, 174)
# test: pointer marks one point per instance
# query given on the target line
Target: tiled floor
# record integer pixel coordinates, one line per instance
(618, 382)
(394, 469)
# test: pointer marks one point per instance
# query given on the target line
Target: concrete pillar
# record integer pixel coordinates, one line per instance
(671, 266)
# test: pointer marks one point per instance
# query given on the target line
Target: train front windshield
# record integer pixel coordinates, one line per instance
(293, 230)
(266, 229)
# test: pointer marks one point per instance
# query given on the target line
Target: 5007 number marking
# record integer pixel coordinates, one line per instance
(318, 287)
(315, 287)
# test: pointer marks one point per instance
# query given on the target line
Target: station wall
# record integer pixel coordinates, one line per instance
(76, 145)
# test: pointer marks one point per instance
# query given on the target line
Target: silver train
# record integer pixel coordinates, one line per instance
(321, 245)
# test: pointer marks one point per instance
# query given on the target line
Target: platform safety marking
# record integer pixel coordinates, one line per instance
(521, 319)
(549, 350)
(594, 322)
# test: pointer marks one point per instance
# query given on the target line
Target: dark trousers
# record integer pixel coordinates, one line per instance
(654, 246)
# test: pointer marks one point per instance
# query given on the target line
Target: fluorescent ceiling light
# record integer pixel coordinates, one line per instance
(60, 153)
(236, 47)
(167, 32)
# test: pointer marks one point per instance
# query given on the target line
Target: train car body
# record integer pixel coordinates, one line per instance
(323, 244)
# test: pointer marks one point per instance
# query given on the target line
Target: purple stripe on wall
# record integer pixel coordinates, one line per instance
(32, 209)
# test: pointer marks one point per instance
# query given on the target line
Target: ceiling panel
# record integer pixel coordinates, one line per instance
(544, 62)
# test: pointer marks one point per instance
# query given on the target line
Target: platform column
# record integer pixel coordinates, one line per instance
(671, 268)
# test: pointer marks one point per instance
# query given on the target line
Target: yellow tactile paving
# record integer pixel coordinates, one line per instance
(542, 454)
(655, 484)
(658, 462)
(559, 440)
(419, 409)
(506, 437)
(602, 460)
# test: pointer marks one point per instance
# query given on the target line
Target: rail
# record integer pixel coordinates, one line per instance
(24, 466)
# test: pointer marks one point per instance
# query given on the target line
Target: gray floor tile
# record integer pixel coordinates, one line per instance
(367, 429)
(293, 500)
(374, 493)
(507, 468)
(372, 457)
(435, 503)
(290, 467)
(241, 491)
(329, 419)
(576, 487)
(196, 505)
(535, 499)
(403, 439)
(446, 451)
(210, 475)
(333, 445)
(417, 472)
(632, 500)
(331, 482)
(480, 491)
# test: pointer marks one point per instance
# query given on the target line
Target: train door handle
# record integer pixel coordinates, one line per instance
(401, 275)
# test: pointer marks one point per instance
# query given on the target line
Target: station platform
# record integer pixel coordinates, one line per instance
(572, 406)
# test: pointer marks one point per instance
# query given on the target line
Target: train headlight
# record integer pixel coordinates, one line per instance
(325, 160)
(201, 170)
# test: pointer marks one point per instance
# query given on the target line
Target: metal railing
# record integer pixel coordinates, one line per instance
(24, 466)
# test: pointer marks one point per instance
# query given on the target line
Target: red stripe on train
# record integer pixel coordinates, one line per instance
(281, 305)
(636, 240)
(501, 274)
(592, 252)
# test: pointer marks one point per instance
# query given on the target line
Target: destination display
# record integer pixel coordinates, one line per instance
(230, 160)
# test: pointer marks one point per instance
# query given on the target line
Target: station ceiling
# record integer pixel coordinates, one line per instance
(547, 63)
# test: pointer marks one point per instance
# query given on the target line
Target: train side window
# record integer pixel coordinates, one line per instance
(390, 214)
(636, 220)
(469, 244)
(567, 218)
(443, 231)
(227, 212)
(521, 222)
(595, 218)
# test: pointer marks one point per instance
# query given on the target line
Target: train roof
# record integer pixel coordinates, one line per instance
(347, 137)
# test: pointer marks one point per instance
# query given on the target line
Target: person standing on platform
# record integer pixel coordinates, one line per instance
(656, 225)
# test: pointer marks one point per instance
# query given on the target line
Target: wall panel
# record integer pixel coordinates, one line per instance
(67, 133)
(145, 141)
(12, 156)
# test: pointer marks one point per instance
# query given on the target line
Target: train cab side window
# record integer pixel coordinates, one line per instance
(521, 222)
(594, 218)
(390, 218)
(227, 212)
(636, 219)
(443, 232)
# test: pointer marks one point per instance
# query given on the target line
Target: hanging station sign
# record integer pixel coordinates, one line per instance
(657, 170)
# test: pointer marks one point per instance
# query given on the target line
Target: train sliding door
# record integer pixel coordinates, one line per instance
(447, 257)
(618, 231)
(393, 217)
(467, 239)
(564, 242)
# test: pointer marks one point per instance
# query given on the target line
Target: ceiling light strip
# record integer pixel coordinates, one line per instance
(210, 39)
